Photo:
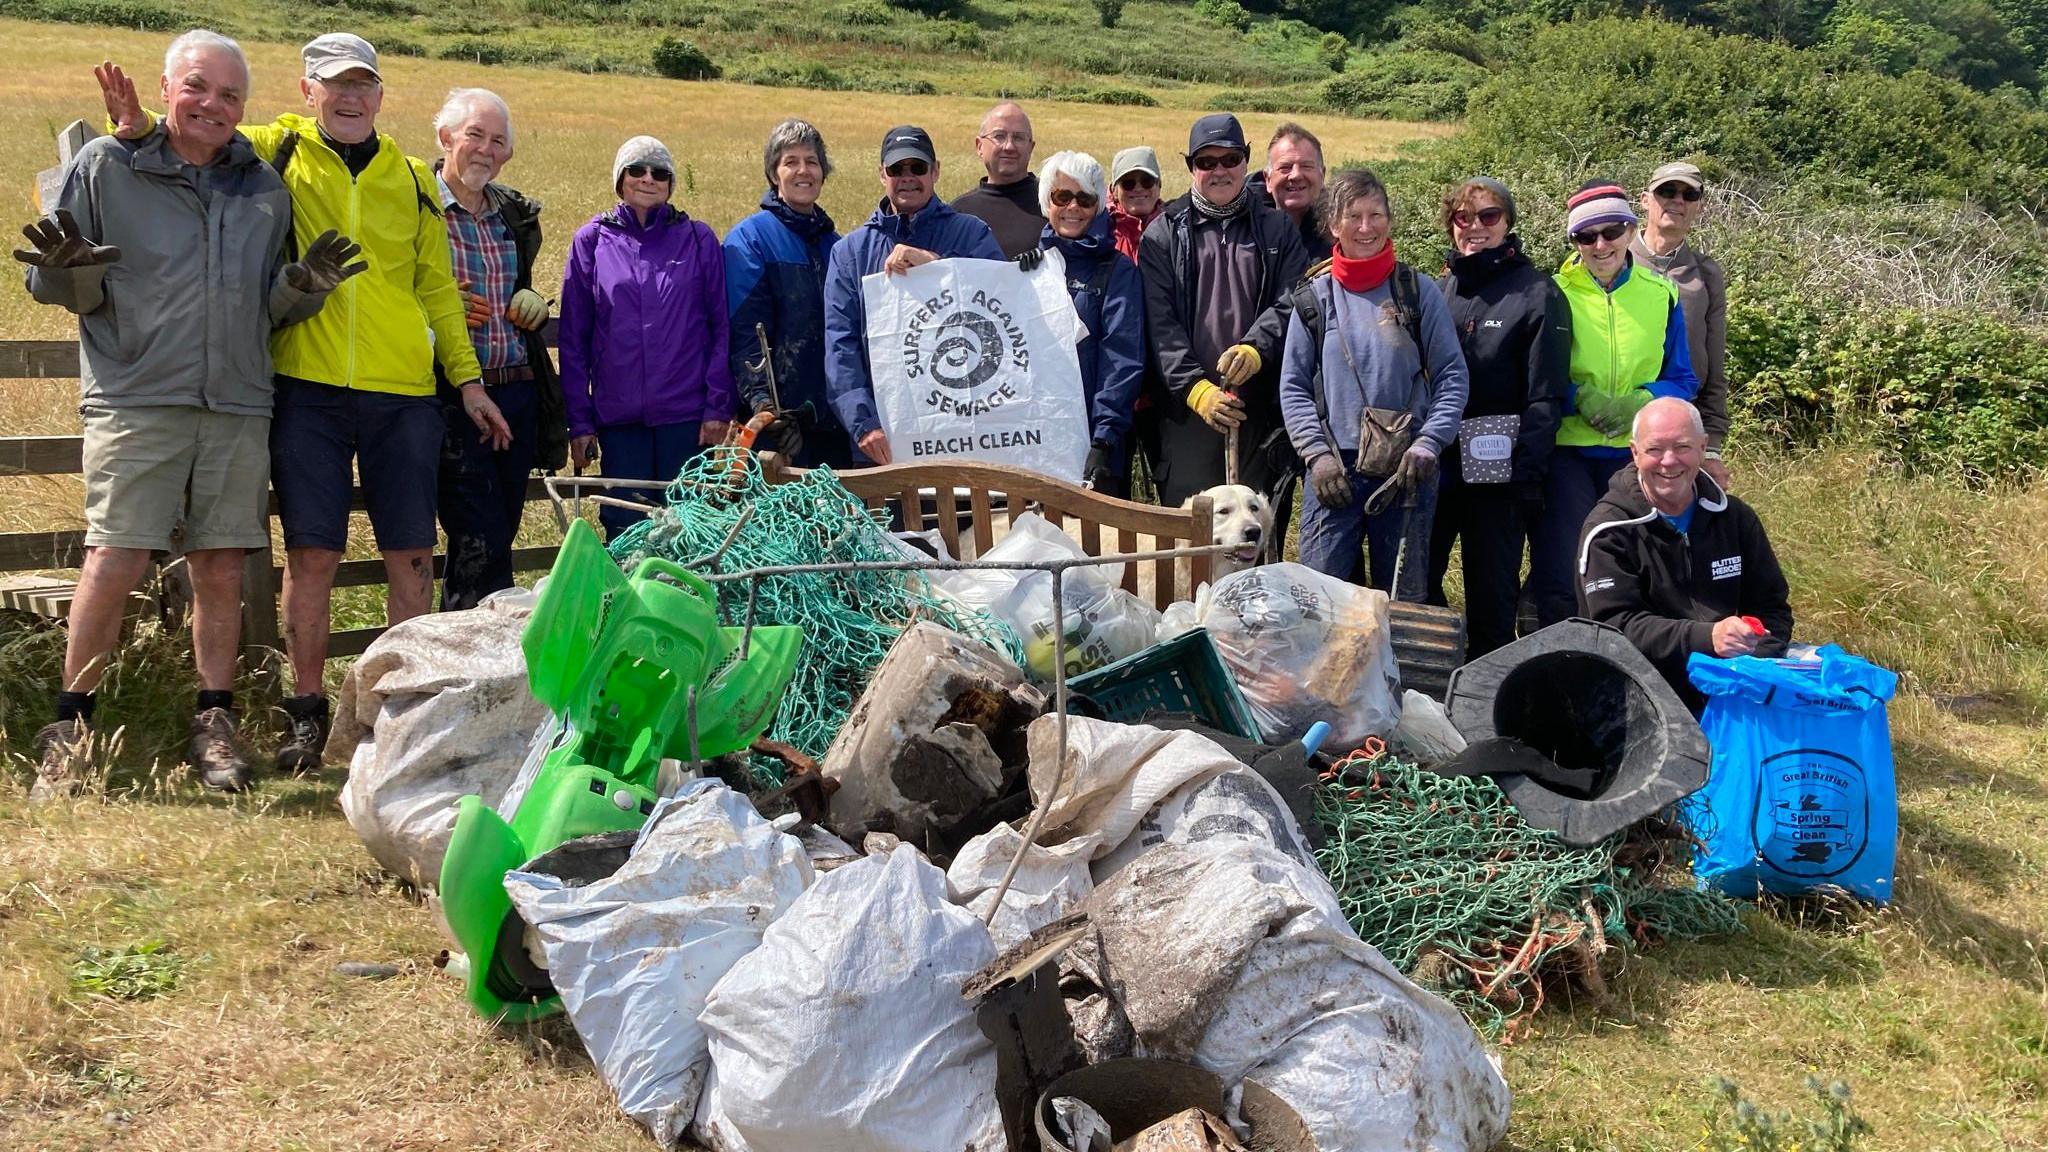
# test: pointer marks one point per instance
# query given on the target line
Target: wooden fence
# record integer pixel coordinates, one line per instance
(262, 577)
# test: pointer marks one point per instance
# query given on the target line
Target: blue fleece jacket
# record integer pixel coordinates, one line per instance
(1109, 295)
(1389, 371)
(935, 227)
(775, 263)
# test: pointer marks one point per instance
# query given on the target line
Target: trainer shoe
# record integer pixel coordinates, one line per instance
(213, 752)
(300, 752)
(63, 760)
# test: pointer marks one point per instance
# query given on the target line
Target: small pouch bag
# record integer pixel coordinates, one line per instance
(1486, 448)
(1384, 435)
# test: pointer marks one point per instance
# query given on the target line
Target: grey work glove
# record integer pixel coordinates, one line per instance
(1029, 259)
(326, 263)
(1600, 411)
(1330, 481)
(59, 244)
(1417, 468)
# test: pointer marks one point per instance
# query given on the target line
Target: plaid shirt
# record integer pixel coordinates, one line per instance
(487, 260)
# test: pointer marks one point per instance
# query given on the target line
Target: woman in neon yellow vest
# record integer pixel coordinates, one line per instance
(1628, 348)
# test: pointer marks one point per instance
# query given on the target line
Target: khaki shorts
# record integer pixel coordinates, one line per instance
(159, 473)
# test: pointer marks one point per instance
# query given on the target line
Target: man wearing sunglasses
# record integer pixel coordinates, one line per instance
(1007, 198)
(1218, 265)
(911, 226)
(1672, 206)
(1628, 348)
(355, 384)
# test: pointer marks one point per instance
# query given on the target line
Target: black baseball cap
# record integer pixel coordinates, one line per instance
(1217, 130)
(907, 142)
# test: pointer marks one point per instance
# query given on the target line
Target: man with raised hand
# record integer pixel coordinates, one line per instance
(912, 226)
(1675, 562)
(170, 250)
(1007, 198)
(355, 385)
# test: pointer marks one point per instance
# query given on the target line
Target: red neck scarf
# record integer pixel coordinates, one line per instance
(1362, 275)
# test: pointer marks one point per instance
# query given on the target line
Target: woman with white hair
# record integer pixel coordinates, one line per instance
(645, 366)
(1110, 298)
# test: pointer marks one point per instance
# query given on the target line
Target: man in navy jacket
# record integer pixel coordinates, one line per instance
(912, 226)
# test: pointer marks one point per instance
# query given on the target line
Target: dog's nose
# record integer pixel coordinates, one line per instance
(1253, 533)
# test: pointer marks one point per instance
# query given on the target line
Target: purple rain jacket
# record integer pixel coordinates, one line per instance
(644, 332)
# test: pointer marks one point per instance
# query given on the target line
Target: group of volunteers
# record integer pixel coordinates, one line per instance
(297, 304)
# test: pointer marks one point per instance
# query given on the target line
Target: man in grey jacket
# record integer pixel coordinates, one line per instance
(171, 251)
(1673, 202)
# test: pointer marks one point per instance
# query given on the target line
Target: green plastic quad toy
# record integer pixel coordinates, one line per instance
(619, 658)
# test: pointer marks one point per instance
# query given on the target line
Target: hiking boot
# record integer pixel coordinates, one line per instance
(213, 752)
(300, 752)
(63, 760)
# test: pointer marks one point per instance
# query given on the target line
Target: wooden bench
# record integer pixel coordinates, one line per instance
(971, 505)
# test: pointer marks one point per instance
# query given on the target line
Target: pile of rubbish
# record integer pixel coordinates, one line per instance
(952, 917)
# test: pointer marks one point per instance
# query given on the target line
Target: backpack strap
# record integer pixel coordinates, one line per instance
(1407, 300)
(1309, 310)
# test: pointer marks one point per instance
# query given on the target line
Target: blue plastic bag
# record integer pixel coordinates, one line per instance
(1801, 795)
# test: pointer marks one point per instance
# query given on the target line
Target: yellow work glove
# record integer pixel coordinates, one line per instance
(1219, 408)
(1239, 363)
(526, 309)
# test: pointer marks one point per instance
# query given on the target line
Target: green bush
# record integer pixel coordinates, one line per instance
(1078, 94)
(929, 7)
(1333, 50)
(1227, 13)
(107, 13)
(1404, 85)
(1272, 101)
(954, 36)
(1109, 12)
(683, 60)
(865, 13)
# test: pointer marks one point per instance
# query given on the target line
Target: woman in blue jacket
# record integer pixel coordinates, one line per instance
(1110, 298)
(775, 263)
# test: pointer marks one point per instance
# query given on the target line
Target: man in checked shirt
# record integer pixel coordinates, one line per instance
(493, 237)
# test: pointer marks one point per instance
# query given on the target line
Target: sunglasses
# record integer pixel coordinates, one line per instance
(636, 171)
(1062, 197)
(1484, 218)
(1211, 162)
(1135, 181)
(909, 168)
(1685, 192)
(1591, 236)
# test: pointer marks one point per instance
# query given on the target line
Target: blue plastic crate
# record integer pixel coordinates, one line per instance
(1182, 675)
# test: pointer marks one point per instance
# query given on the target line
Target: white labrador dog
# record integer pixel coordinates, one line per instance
(1244, 520)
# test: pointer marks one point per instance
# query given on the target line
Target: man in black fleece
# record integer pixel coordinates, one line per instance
(1677, 564)
(1007, 198)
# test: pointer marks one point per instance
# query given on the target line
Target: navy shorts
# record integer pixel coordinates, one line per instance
(394, 442)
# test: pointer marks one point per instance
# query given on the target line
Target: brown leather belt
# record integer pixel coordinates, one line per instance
(493, 377)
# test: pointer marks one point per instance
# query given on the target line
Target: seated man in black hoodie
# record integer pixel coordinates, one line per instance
(1675, 562)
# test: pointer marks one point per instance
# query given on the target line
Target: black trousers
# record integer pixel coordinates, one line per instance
(1486, 518)
(482, 494)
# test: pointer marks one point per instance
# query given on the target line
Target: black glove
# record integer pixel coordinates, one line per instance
(326, 263)
(787, 433)
(1529, 500)
(1030, 258)
(1097, 472)
(59, 244)
(1330, 481)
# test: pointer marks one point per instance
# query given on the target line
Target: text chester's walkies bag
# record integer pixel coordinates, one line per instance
(1801, 795)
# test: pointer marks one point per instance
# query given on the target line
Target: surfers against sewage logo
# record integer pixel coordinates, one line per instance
(957, 350)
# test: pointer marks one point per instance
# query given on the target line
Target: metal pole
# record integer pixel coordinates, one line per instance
(1059, 771)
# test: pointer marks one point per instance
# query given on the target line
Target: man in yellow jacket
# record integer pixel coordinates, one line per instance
(355, 385)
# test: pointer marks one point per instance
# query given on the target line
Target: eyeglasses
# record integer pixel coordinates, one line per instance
(636, 171)
(1484, 218)
(1007, 139)
(351, 87)
(1591, 236)
(1677, 191)
(1210, 161)
(1061, 197)
(1136, 180)
(909, 168)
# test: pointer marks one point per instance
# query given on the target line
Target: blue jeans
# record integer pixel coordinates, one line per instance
(1331, 537)
(1576, 482)
(641, 452)
(483, 493)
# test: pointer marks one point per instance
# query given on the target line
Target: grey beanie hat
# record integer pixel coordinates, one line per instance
(640, 150)
(1500, 193)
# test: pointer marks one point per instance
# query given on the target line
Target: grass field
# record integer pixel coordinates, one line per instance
(239, 1033)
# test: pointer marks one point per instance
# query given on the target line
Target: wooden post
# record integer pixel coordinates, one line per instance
(261, 636)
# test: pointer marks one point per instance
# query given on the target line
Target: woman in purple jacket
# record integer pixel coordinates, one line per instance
(644, 331)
